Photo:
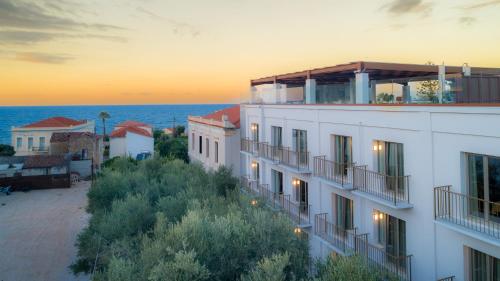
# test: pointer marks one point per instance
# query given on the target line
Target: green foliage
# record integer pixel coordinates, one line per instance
(6, 150)
(385, 98)
(353, 268)
(269, 269)
(164, 219)
(173, 147)
(428, 89)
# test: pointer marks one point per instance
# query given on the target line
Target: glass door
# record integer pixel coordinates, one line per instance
(300, 146)
(343, 211)
(342, 154)
(484, 184)
(390, 164)
(277, 179)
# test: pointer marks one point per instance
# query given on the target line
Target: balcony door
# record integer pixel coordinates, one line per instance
(255, 132)
(342, 153)
(343, 212)
(390, 163)
(277, 181)
(276, 140)
(391, 234)
(302, 194)
(483, 267)
(484, 184)
(299, 138)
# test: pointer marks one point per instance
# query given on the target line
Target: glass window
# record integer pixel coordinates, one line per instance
(42, 143)
(255, 131)
(300, 145)
(483, 267)
(301, 194)
(277, 181)
(390, 162)
(484, 183)
(342, 151)
(30, 143)
(256, 170)
(19, 142)
(343, 212)
(216, 151)
(391, 234)
(276, 136)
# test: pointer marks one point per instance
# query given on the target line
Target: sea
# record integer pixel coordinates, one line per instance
(159, 116)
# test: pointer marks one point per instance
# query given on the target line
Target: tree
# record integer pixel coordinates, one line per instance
(352, 268)
(103, 115)
(6, 150)
(428, 89)
(269, 269)
(385, 98)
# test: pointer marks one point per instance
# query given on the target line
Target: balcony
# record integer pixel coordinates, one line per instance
(450, 278)
(338, 173)
(349, 243)
(39, 150)
(249, 146)
(467, 212)
(270, 152)
(393, 191)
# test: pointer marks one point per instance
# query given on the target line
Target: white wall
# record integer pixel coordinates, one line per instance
(138, 143)
(117, 147)
(434, 138)
(229, 146)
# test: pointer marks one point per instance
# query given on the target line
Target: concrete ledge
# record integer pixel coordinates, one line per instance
(469, 232)
(398, 205)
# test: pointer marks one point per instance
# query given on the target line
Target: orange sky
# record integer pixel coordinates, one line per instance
(163, 51)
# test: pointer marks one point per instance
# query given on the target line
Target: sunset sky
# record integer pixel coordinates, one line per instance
(161, 51)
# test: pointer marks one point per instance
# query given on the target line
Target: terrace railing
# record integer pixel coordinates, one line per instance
(340, 173)
(394, 189)
(399, 266)
(295, 159)
(340, 238)
(249, 145)
(467, 211)
(270, 152)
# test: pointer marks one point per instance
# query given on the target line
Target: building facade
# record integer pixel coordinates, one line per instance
(214, 139)
(34, 139)
(397, 163)
(130, 139)
(80, 146)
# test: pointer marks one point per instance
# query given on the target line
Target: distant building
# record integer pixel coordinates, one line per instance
(168, 131)
(131, 138)
(33, 139)
(214, 139)
(82, 147)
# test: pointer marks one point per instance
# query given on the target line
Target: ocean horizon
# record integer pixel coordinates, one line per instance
(158, 115)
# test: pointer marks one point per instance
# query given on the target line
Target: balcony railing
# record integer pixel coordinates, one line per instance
(295, 159)
(377, 257)
(394, 189)
(451, 278)
(340, 173)
(270, 152)
(340, 238)
(249, 145)
(39, 149)
(470, 212)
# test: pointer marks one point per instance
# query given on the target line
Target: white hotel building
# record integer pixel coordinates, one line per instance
(367, 161)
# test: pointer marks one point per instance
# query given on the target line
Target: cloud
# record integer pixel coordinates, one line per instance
(481, 5)
(42, 58)
(177, 27)
(467, 21)
(400, 7)
(21, 37)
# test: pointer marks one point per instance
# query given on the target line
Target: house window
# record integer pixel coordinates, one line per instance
(276, 136)
(390, 162)
(41, 140)
(342, 149)
(483, 174)
(391, 234)
(193, 141)
(255, 131)
(300, 145)
(483, 267)
(343, 212)
(277, 181)
(256, 170)
(84, 154)
(200, 143)
(19, 142)
(216, 151)
(30, 143)
(301, 193)
(207, 144)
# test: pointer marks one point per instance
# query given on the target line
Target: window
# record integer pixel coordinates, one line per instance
(30, 143)
(389, 157)
(301, 193)
(216, 151)
(41, 140)
(391, 234)
(276, 136)
(343, 212)
(255, 170)
(193, 142)
(342, 154)
(207, 145)
(255, 132)
(84, 154)
(19, 142)
(200, 142)
(483, 267)
(277, 181)
(483, 173)
(300, 145)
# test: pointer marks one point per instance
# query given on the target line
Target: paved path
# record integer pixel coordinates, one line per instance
(38, 231)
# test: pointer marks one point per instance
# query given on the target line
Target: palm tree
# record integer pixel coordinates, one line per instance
(103, 115)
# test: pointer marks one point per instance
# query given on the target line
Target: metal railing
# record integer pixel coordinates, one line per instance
(340, 238)
(249, 145)
(394, 189)
(39, 149)
(295, 159)
(340, 173)
(270, 152)
(467, 211)
(377, 257)
(450, 278)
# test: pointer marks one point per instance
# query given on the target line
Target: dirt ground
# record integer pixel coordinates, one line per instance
(38, 230)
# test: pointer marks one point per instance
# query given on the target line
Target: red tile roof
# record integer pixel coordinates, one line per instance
(233, 114)
(122, 132)
(55, 122)
(131, 123)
